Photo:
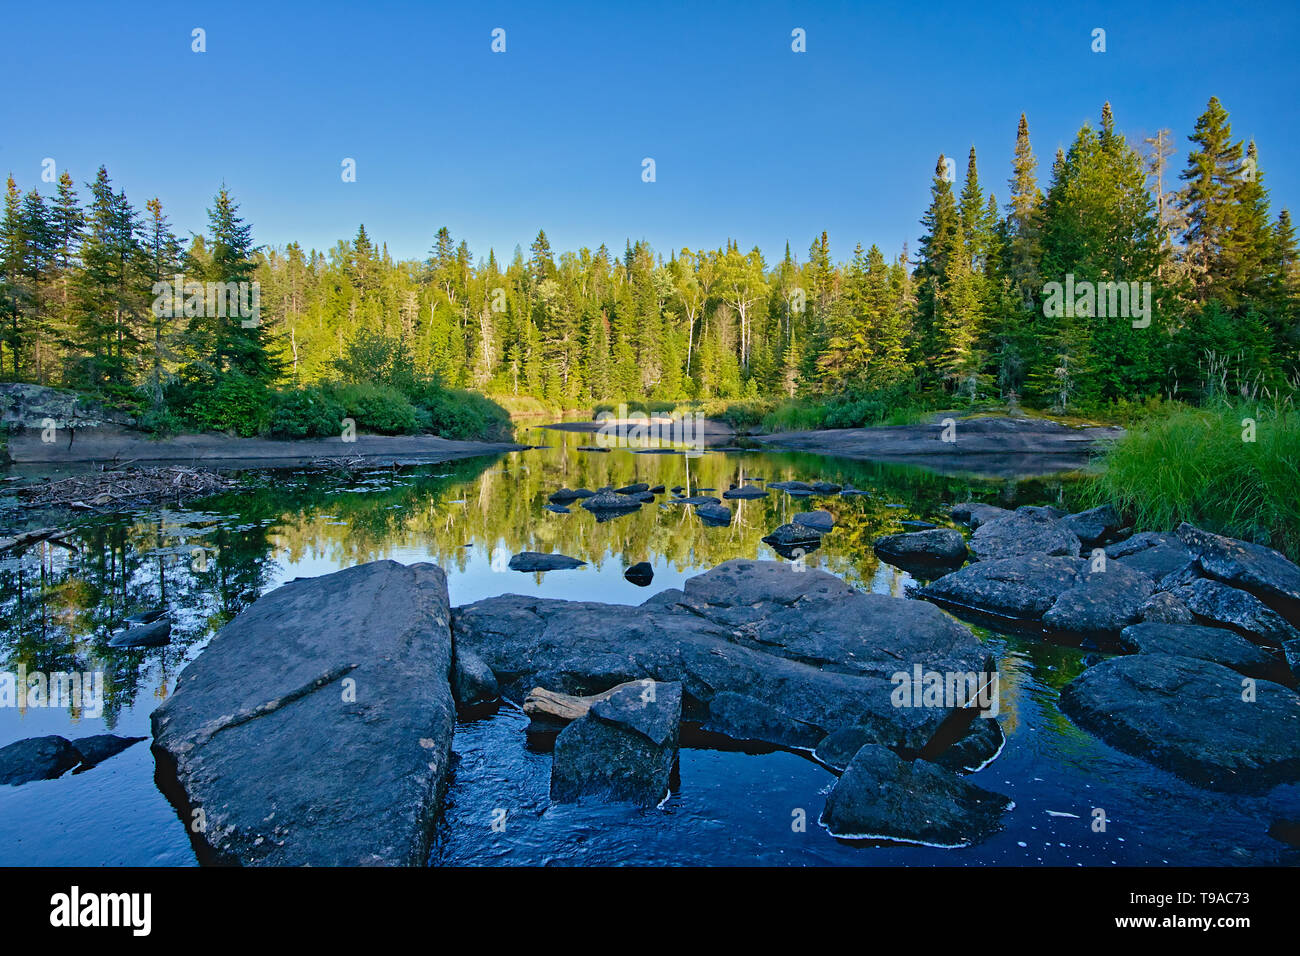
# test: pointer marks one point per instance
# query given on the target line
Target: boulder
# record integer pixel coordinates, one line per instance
(714, 515)
(37, 758)
(741, 717)
(794, 536)
(610, 503)
(806, 644)
(1093, 526)
(635, 489)
(883, 797)
(918, 525)
(1204, 643)
(623, 749)
(563, 496)
(791, 486)
(825, 488)
(944, 546)
(1251, 567)
(640, 574)
(156, 634)
(819, 521)
(745, 491)
(1154, 554)
(536, 561)
(695, 500)
(1164, 608)
(1022, 533)
(472, 682)
(315, 728)
(1022, 588)
(1101, 601)
(1283, 807)
(100, 747)
(1189, 716)
(975, 513)
(1218, 603)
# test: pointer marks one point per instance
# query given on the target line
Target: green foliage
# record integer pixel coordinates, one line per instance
(1192, 464)
(462, 415)
(377, 408)
(232, 403)
(306, 413)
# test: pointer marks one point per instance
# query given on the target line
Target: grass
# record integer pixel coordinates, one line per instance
(1194, 465)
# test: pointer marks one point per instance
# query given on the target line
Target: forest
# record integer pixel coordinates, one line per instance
(448, 342)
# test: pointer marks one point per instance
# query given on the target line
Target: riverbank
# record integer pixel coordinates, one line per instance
(108, 445)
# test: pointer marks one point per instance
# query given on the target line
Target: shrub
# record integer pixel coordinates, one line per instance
(232, 403)
(461, 415)
(377, 408)
(305, 413)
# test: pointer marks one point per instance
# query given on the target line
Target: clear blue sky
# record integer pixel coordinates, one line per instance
(751, 140)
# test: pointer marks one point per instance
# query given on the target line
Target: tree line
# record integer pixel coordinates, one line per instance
(967, 319)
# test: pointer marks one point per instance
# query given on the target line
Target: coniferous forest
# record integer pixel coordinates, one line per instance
(843, 335)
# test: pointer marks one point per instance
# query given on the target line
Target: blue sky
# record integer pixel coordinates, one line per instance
(751, 141)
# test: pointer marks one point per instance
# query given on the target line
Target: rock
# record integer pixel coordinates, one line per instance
(557, 509)
(882, 797)
(975, 513)
(696, 500)
(1284, 810)
(656, 489)
(745, 491)
(825, 488)
(563, 497)
(1252, 567)
(1022, 588)
(1093, 526)
(1154, 554)
(819, 521)
(791, 486)
(100, 747)
(976, 749)
(1101, 602)
(592, 448)
(1207, 644)
(640, 574)
(741, 717)
(637, 488)
(1188, 716)
(794, 536)
(644, 496)
(837, 750)
(37, 758)
(1163, 608)
(535, 561)
(472, 682)
(714, 515)
(146, 617)
(805, 643)
(944, 546)
(1022, 533)
(854, 493)
(610, 503)
(918, 525)
(1216, 602)
(315, 728)
(156, 634)
(623, 749)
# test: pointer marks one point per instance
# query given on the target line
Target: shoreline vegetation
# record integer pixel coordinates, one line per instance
(1099, 297)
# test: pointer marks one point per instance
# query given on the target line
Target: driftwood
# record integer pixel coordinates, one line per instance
(551, 706)
(108, 488)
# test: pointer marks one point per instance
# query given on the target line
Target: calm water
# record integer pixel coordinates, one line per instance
(58, 608)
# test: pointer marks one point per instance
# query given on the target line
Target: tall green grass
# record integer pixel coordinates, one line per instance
(1193, 464)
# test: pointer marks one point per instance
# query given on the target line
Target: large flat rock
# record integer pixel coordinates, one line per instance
(800, 644)
(315, 728)
(1193, 717)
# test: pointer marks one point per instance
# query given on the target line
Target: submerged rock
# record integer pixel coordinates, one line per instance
(635, 489)
(563, 496)
(882, 797)
(315, 728)
(536, 561)
(742, 717)
(37, 758)
(825, 488)
(623, 749)
(745, 491)
(1191, 717)
(611, 503)
(794, 536)
(975, 513)
(557, 509)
